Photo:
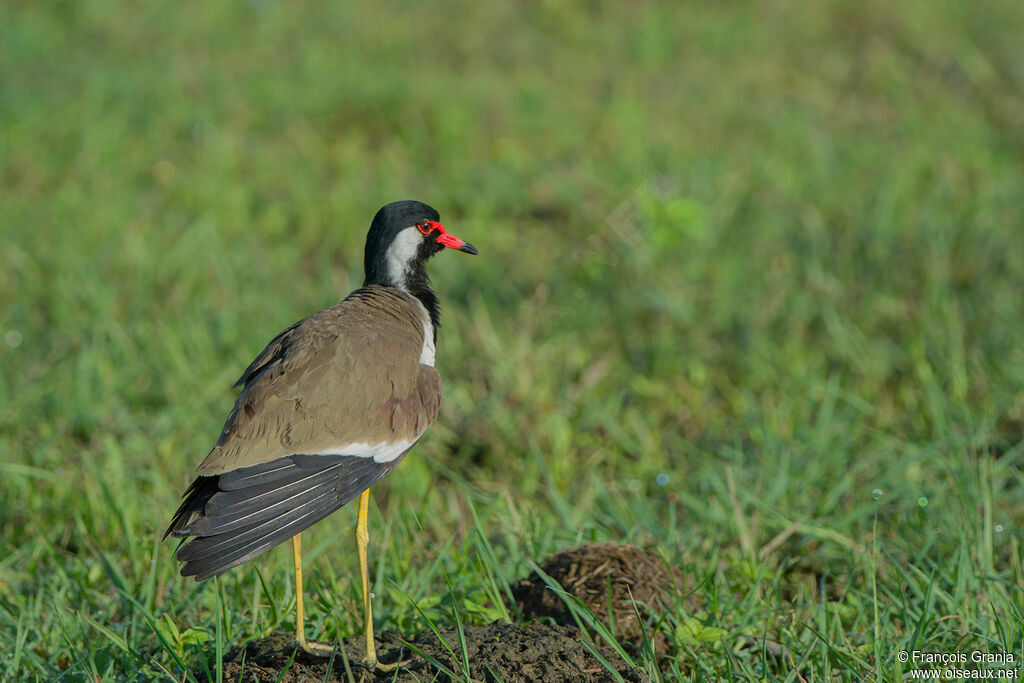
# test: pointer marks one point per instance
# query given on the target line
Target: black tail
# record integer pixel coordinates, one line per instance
(233, 517)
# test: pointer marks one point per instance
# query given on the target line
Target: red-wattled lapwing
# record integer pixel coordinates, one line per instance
(329, 407)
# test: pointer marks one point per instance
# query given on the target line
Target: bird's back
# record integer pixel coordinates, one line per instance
(350, 373)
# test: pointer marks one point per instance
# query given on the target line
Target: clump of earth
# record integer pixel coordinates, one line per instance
(549, 647)
(622, 581)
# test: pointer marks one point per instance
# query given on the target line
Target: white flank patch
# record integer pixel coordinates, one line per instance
(401, 253)
(385, 451)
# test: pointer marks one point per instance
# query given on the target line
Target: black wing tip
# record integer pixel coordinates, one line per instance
(193, 501)
(200, 571)
(314, 486)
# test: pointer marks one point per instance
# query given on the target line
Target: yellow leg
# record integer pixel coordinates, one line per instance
(300, 632)
(313, 648)
(363, 540)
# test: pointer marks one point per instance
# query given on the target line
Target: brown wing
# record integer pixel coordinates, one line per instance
(349, 374)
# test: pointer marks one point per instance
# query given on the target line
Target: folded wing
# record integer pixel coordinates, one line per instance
(328, 408)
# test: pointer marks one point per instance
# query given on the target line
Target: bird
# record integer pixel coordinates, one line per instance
(331, 405)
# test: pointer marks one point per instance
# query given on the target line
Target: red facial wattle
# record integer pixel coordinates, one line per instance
(445, 238)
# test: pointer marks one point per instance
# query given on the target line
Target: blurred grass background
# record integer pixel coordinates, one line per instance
(771, 251)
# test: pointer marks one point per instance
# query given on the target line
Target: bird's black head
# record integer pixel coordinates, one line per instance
(402, 236)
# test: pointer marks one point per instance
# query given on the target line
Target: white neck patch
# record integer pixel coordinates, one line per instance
(400, 254)
(428, 351)
(398, 257)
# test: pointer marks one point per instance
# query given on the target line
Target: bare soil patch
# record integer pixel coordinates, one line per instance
(508, 652)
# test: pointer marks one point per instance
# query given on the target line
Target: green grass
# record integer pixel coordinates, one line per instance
(772, 251)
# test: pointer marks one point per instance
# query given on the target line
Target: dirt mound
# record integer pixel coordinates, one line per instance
(507, 652)
(603, 573)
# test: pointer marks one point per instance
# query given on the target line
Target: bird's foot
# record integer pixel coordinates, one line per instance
(314, 648)
(373, 664)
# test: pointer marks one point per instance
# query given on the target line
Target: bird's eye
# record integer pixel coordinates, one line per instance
(425, 228)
